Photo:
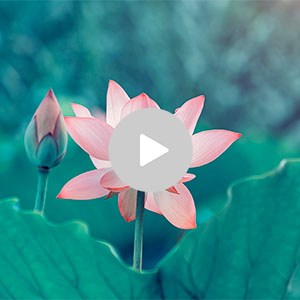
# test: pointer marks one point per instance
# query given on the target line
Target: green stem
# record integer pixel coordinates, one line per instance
(41, 190)
(138, 233)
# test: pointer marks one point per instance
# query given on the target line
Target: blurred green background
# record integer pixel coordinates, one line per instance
(242, 55)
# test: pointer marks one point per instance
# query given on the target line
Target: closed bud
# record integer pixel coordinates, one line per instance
(46, 135)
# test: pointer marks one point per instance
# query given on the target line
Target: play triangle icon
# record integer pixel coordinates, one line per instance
(150, 150)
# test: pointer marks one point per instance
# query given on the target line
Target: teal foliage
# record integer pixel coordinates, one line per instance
(243, 55)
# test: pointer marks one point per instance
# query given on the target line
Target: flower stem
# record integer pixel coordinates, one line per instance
(41, 190)
(138, 233)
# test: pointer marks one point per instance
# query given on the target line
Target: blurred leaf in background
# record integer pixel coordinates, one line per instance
(243, 55)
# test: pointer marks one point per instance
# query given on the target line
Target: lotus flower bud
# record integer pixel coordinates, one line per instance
(46, 135)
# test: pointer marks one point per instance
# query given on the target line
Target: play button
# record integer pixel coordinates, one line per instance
(150, 150)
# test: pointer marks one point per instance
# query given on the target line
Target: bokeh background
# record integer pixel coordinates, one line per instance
(243, 55)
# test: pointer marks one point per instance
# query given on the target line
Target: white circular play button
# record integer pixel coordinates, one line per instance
(150, 150)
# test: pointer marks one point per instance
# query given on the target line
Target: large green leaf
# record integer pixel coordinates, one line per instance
(40, 260)
(250, 250)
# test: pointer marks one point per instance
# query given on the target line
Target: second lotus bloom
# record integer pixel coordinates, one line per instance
(93, 136)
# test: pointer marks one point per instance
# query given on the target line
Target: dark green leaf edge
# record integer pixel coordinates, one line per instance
(239, 253)
(283, 164)
(62, 261)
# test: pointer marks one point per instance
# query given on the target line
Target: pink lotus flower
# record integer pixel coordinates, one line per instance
(93, 136)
